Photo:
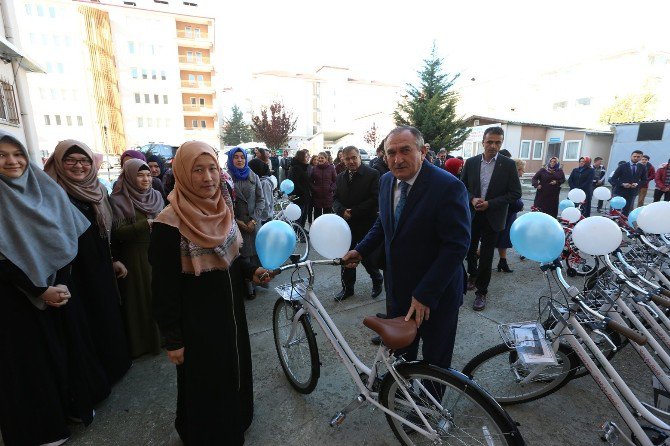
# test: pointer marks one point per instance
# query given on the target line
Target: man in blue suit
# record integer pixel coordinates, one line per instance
(424, 223)
(627, 179)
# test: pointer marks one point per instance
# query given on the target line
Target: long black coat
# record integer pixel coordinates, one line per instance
(361, 195)
(301, 189)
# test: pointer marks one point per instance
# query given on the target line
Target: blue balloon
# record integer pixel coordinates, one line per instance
(537, 236)
(562, 205)
(617, 203)
(287, 186)
(632, 217)
(275, 242)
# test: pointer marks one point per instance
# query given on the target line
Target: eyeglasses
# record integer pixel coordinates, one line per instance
(85, 162)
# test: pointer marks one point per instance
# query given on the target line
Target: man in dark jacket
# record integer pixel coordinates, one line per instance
(627, 178)
(651, 174)
(356, 195)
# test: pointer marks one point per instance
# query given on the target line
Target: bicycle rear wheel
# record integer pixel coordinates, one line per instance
(499, 370)
(466, 415)
(298, 353)
(301, 242)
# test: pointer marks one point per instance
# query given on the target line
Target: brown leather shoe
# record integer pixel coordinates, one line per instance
(480, 302)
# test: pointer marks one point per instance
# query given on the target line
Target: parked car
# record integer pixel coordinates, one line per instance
(167, 151)
(365, 156)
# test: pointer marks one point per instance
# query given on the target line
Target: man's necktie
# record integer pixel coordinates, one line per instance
(351, 175)
(401, 203)
(633, 168)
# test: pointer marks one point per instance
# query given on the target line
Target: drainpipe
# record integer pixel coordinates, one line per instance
(25, 107)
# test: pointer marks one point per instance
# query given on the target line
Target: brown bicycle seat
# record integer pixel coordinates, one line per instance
(396, 333)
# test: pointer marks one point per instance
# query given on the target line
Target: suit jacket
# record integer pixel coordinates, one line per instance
(425, 252)
(504, 188)
(361, 196)
(624, 174)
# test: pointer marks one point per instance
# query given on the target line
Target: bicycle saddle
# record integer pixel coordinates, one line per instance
(395, 333)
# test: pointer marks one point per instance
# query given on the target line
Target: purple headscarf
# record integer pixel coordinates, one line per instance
(133, 154)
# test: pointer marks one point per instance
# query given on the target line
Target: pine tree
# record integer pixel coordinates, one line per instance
(234, 131)
(431, 107)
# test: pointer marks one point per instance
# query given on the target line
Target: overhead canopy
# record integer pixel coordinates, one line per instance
(9, 52)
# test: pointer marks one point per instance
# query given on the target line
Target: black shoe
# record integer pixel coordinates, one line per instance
(344, 294)
(381, 316)
(376, 340)
(377, 288)
(503, 266)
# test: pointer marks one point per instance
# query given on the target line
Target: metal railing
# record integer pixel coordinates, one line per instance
(196, 84)
(196, 60)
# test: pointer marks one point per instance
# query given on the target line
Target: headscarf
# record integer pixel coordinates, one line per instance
(210, 237)
(161, 164)
(127, 197)
(40, 227)
(88, 190)
(259, 167)
(453, 165)
(136, 154)
(587, 161)
(238, 174)
(555, 168)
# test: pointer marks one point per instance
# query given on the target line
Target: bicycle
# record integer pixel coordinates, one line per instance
(422, 403)
(301, 236)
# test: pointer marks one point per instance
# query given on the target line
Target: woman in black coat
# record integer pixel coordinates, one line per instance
(504, 241)
(301, 188)
(582, 178)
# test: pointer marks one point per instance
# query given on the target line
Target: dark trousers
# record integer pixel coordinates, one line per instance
(586, 206)
(318, 212)
(480, 271)
(630, 197)
(600, 204)
(349, 274)
(658, 193)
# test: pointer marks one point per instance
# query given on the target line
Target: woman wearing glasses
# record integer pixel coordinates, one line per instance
(94, 272)
(38, 241)
(198, 288)
(135, 204)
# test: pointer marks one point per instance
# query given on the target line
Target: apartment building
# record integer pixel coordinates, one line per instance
(121, 74)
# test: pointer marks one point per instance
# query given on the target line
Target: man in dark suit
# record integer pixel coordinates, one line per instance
(424, 224)
(627, 179)
(493, 184)
(356, 196)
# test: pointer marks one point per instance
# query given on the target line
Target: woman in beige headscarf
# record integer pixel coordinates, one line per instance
(198, 288)
(135, 204)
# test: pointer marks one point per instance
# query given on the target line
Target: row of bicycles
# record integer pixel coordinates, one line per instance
(624, 301)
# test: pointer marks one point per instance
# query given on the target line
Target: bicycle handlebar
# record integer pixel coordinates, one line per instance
(658, 300)
(628, 332)
(307, 263)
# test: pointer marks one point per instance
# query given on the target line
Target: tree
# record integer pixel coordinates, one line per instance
(234, 130)
(273, 130)
(631, 108)
(371, 137)
(431, 107)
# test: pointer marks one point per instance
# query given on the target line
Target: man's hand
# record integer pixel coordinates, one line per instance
(633, 185)
(351, 259)
(552, 182)
(538, 187)
(120, 270)
(626, 185)
(56, 296)
(262, 275)
(347, 214)
(176, 357)
(421, 310)
(482, 206)
(476, 201)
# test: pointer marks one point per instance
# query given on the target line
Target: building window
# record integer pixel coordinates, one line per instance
(188, 31)
(584, 101)
(137, 98)
(74, 95)
(198, 56)
(47, 120)
(45, 40)
(49, 67)
(560, 105)
(155, 99)
(159, 121)
(202, 102)
(80, 121)
(40, 10)
(29, 9)
(153, 74)
(56, 41)
(58, 120)
(167, 122)
(131, 47)
(193, 101)
(189, 56)
(68, 41)
(146, 98)
(59, 67)
(572, 150)
(197, 33)
(194, 123)
(191, 78)
(201, 79)
(133, 73)
(54, 94)
(524, 150)
(52, 12)
(144, 74)
(8, 111)
(150, 122)
(165, 101)
(140, 122)
(203, 124)
(650, 131)
(538, 148)
(33, 39)
(68, 119)
(163, 77)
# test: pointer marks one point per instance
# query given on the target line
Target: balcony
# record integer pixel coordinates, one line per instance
(199, 110)
(195, 63)
(193, 39)
(197, 87)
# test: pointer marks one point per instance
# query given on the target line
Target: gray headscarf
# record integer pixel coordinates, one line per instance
(39, 227)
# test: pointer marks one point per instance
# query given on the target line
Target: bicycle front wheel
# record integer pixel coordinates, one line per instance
(583, 265)
(296, 346)
(301, 242)
(454, 407)
(500, 371)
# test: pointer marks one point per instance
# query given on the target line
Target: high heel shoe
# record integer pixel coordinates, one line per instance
(503, 266)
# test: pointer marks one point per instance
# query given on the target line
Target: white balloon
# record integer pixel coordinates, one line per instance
(274, 181)
(602, 193)
(596, 236)
(571, 214)
(292, 212)
(330, 236)
(654, 218)
(577, 196)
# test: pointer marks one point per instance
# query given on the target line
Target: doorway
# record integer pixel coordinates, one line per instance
(553, 150)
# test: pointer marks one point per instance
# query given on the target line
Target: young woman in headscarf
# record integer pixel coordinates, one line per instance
(38, 240)
(156, 183)
(547, 182)
(156, 165)
(135, 204)
(198, 287)
(249, 203)
(454, 166)
(582, 178)
(94, 272)
(262, 170)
